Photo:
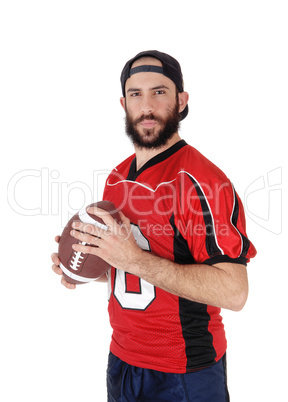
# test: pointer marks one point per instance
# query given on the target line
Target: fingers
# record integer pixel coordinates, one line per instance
(92, 234)
(85, 237)
(55, 267)
(86, 228)
(55, 259)
(112, 226)
(54, 256)
(67, 284)
(56, 263)
(89, 233)
(59, 271)
(105, 216)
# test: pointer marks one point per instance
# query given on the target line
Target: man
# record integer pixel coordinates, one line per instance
(179, 256)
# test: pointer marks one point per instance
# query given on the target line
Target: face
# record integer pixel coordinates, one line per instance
(152, 107)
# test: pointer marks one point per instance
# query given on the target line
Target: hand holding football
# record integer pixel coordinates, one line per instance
(77, 267)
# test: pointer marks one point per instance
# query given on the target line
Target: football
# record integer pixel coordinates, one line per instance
(77, 267)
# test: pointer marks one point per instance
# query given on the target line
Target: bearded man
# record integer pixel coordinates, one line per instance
(178, 257)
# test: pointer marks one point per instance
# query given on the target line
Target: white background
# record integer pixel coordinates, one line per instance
(62, 130)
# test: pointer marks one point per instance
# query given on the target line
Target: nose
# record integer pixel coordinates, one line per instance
(147, 105)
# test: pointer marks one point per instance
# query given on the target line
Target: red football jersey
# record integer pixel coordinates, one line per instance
(183, 208)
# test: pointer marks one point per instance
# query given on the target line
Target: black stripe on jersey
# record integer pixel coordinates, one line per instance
(194, 317)
(182, 254)
(199, 349)
(133, 173)
(234, 220)
(241, 259)
(211, 243)
(225, 258)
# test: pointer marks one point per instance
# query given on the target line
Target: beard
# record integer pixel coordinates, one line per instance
(153, 138)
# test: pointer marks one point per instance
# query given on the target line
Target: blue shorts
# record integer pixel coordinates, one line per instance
(127, 383)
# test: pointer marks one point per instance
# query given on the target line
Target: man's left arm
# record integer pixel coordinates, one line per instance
(223, 285)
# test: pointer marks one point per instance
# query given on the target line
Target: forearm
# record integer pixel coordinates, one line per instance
(223, 285)
(201, 283)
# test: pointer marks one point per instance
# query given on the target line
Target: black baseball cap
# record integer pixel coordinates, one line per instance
(170, 68)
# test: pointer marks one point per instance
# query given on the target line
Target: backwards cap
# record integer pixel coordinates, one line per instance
(170, 68)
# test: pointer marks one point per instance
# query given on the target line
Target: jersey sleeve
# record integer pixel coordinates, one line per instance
(210, 217)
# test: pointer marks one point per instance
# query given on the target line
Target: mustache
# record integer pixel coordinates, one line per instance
(150, 116)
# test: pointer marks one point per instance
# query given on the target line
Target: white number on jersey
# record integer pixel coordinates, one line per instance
(133, 300)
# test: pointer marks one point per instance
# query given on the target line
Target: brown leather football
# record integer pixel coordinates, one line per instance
(79, 268)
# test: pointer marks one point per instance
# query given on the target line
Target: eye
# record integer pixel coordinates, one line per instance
(160, 92)
(134, 94)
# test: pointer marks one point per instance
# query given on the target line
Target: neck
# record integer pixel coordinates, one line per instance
(143, 155)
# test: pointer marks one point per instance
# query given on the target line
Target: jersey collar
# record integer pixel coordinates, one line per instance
(133, 173)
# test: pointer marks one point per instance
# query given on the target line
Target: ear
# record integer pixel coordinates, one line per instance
(183, 100)
(123, 102)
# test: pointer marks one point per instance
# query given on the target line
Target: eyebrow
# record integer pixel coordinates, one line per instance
(151, 89)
